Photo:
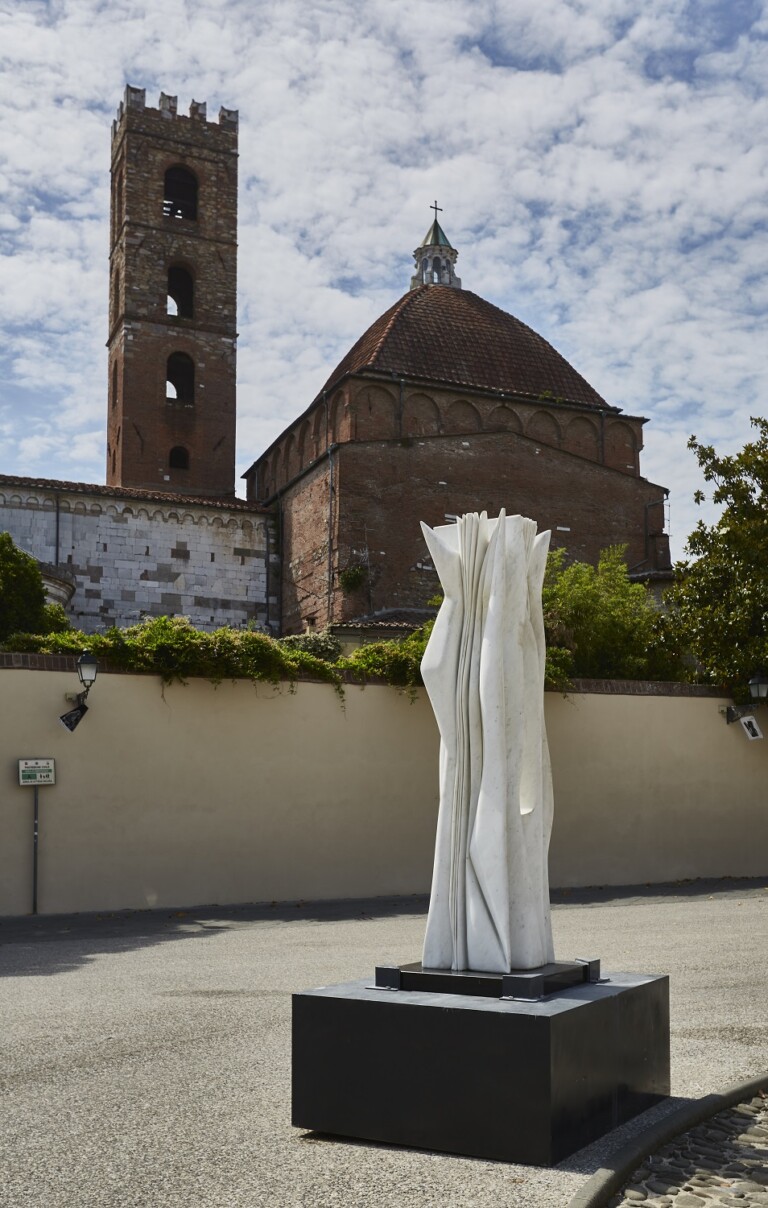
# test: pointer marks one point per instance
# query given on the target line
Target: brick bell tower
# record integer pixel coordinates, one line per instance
(172, 302)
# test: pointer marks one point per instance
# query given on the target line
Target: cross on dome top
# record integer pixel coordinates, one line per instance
(435, 258)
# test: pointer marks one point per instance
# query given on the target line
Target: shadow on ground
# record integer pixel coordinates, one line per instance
(39, 946)
(679, 891)
(47, 944)
(584, 1161)
(599, 1153)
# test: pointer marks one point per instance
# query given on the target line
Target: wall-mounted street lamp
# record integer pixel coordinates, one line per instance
(87, 670)
(758, 686)
(758, 690)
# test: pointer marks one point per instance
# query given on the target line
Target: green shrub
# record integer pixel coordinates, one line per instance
(172, 648)
(323, 644)
(604, 626)
(55, 620)
(398, 661)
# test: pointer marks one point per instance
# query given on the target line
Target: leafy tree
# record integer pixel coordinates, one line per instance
(22, 595)
(719, 602)
(601, 625)
(56, 619)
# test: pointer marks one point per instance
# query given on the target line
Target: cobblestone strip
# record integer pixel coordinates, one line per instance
(723, 1161)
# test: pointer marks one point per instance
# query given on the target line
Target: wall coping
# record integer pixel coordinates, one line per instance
(20, 661)
(643, 688)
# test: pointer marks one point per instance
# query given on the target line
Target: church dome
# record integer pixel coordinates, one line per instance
(452, 336)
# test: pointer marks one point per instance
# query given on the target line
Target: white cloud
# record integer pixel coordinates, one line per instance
(602, 169)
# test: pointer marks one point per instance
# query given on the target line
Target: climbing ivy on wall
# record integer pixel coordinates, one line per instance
(172, 648)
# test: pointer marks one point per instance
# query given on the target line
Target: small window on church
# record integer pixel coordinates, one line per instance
(436, 270)
(178, 458)
(181, 292)
(180, 194)
(180, 378)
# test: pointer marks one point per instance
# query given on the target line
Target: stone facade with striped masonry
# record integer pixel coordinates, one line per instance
(130, 554)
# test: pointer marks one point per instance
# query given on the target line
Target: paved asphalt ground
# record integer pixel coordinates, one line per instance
(146, 1056)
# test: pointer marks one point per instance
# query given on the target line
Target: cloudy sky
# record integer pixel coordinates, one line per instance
(602, 167)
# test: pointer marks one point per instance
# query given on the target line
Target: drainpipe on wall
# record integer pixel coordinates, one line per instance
(329, 569)
(654, 503)
(274, 626)
(58, 529)
(281, 557)
(330, 533)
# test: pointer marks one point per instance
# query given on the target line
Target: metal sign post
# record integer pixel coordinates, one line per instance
(34, 853)
(35, 772)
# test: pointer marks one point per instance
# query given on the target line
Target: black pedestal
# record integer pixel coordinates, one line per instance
(514, 1081)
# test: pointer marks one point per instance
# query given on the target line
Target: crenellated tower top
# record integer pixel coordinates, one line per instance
(135, 100)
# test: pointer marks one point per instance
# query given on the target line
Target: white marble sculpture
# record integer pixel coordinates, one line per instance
(484, 673)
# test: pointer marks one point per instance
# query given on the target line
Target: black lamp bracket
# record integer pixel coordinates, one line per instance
(736, 712)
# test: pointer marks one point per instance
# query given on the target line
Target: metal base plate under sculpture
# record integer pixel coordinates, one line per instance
(528, 984)
(486, 1077)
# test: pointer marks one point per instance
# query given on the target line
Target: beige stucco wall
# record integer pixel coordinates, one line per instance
(655, 788)
(194, 794)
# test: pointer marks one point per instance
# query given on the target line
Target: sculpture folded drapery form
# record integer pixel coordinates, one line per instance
(484, 672)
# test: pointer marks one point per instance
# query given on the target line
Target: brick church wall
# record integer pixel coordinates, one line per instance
(142, 557)
(306, 514)
(388, 487)
(586, 506)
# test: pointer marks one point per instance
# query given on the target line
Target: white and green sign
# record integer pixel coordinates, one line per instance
(37, 771)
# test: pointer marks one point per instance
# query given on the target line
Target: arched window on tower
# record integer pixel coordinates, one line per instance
(180, 379)
(181, 293)
(180, 194)
(425, 270)
(436, 270)
(178, 458)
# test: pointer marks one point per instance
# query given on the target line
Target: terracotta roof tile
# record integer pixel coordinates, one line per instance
(389, 618)
(442, 334)
(54, 484)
